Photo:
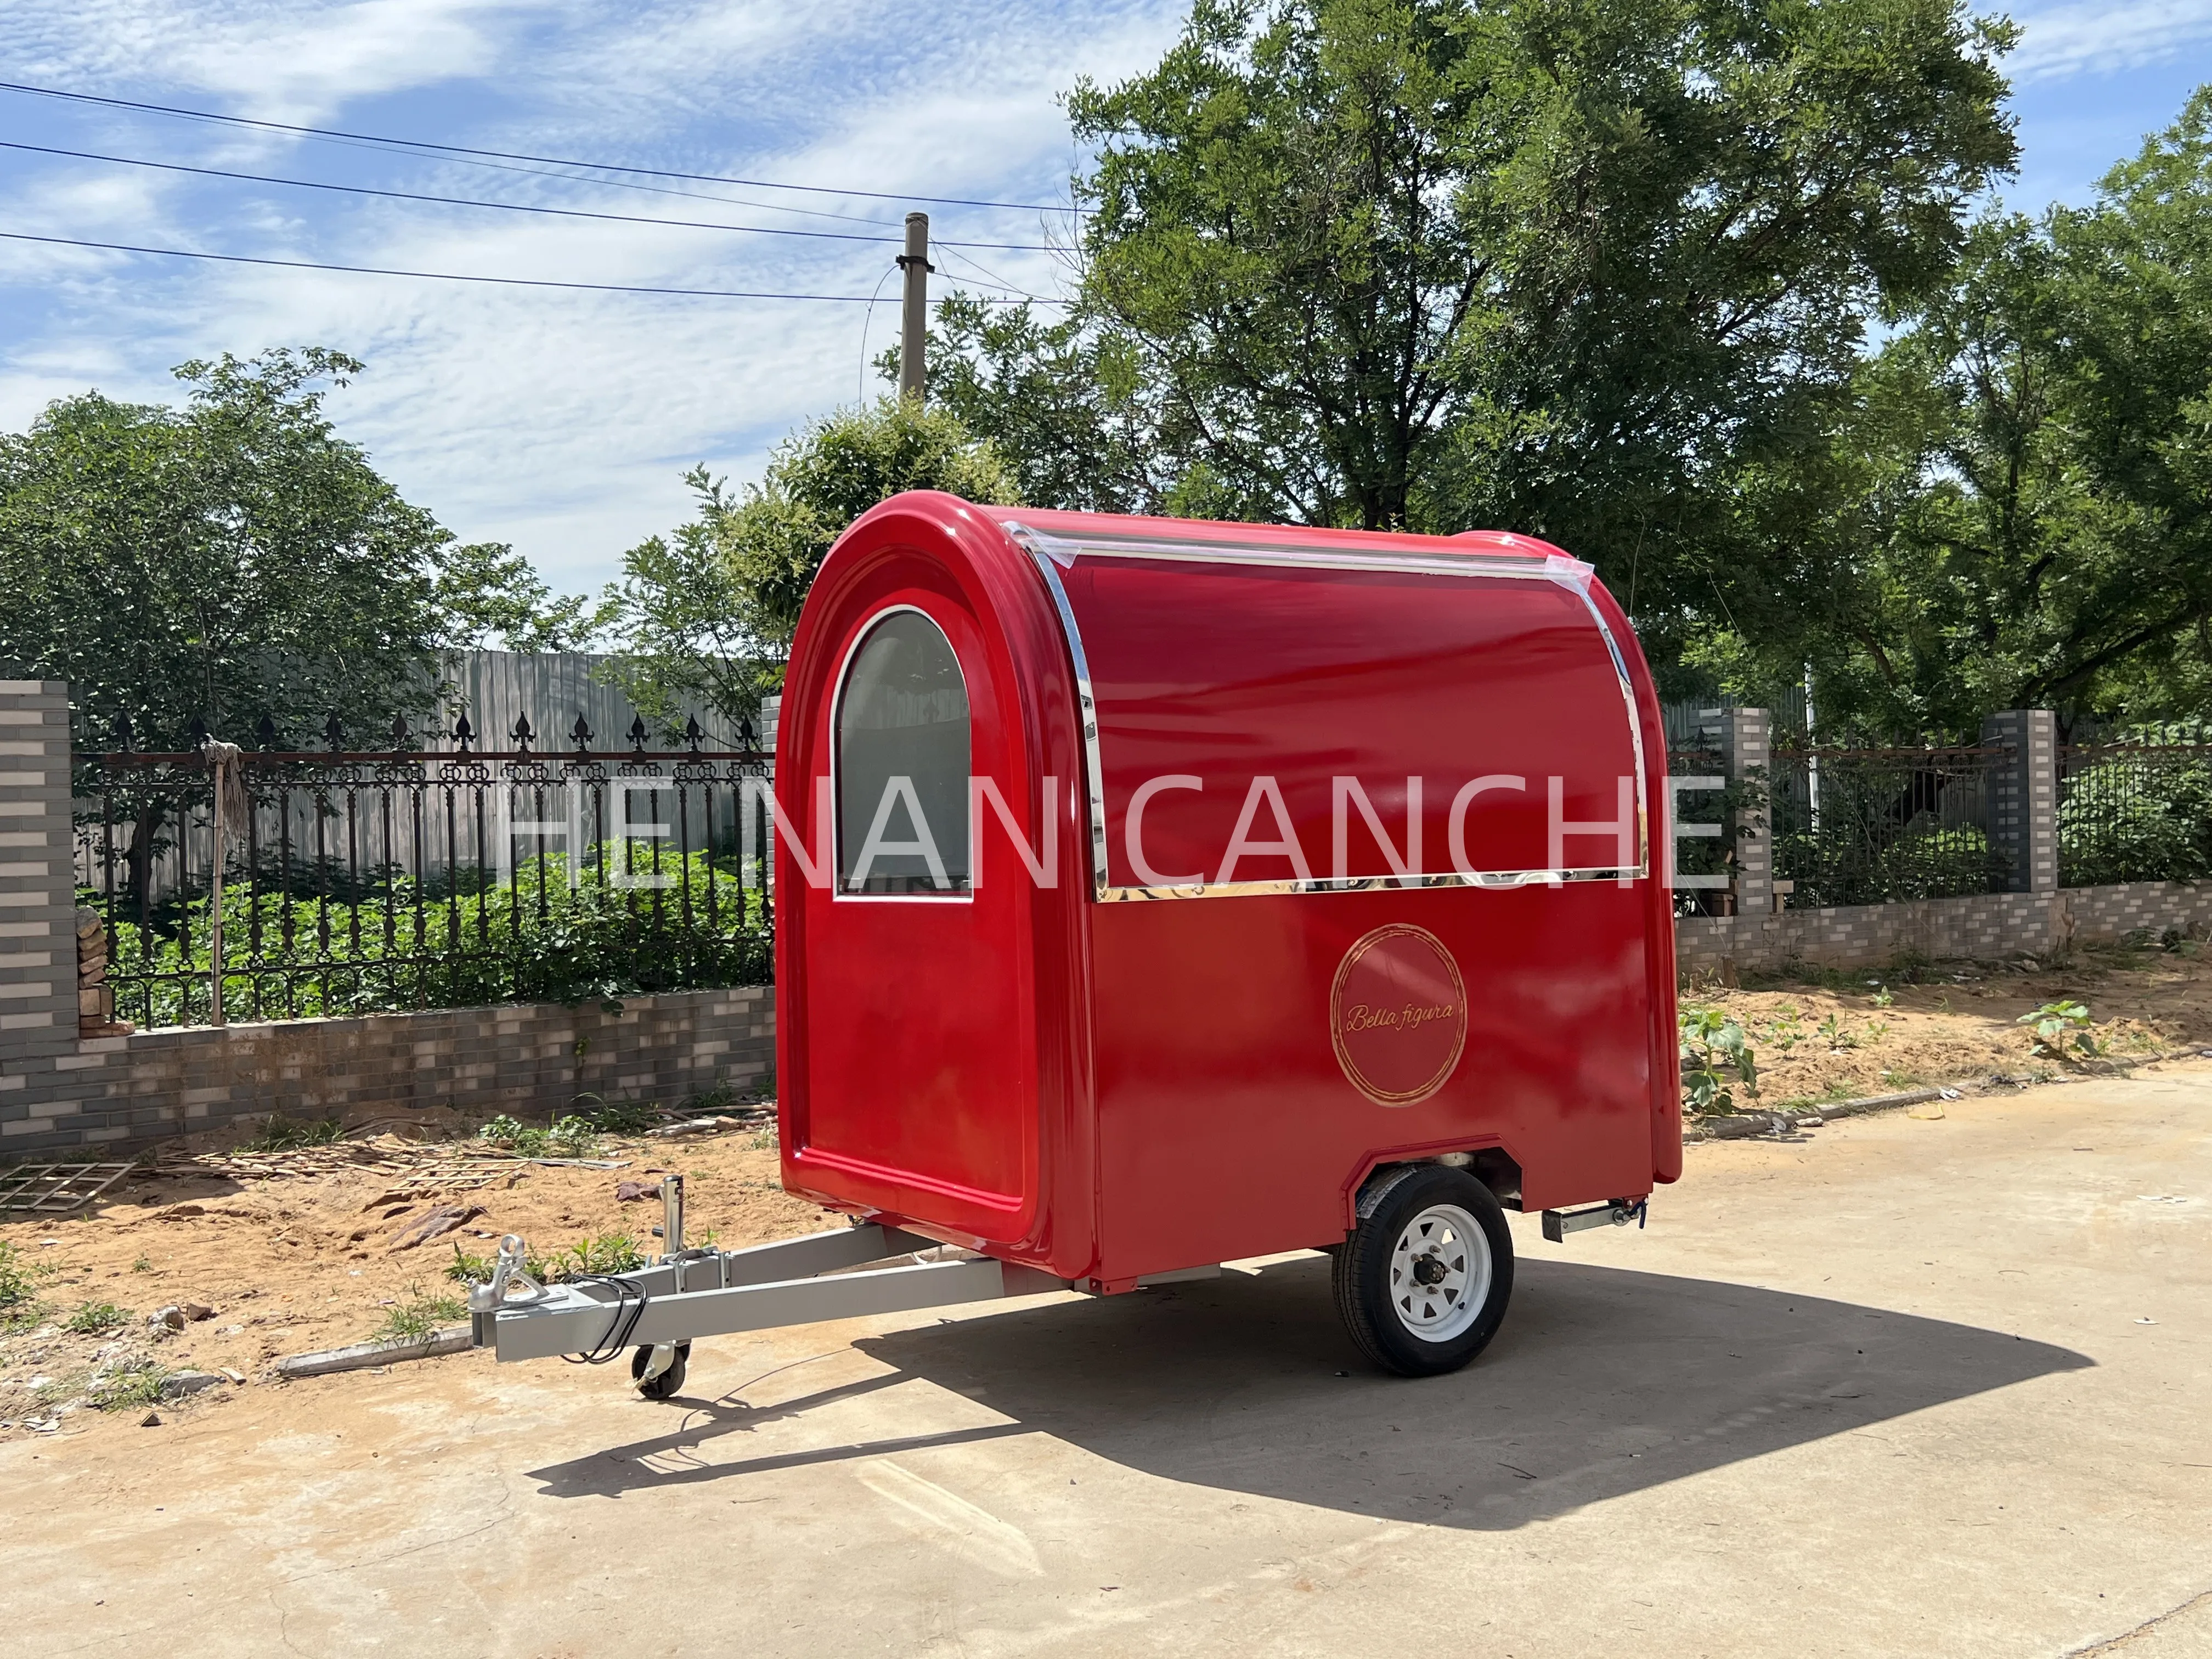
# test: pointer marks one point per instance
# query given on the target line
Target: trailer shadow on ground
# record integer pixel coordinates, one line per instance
(1603, 1382)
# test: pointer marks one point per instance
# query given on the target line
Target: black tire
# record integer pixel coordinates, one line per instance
(663, 1386)
(1383, 1297)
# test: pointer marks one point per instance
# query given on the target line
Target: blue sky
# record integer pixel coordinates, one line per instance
(560, 421)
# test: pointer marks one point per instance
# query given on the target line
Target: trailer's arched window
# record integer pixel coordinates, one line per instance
(902, 762)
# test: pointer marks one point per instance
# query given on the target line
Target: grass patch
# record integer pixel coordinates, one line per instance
(138, 1383)
(93, 1317)
(418, 1316)
(284, 1135)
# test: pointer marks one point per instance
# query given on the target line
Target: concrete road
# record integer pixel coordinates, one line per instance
(1907, 1388)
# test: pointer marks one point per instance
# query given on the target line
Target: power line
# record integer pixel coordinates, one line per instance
(453, 276)
(503, 207)
(508, 155)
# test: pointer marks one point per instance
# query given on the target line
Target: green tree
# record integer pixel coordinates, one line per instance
(2017, 505)
(1556, 265)
(709, 612)
(490, 596)
(230, 559)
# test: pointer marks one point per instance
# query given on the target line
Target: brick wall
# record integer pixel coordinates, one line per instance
(1987, 926)
(38, 928)
(531, 1059)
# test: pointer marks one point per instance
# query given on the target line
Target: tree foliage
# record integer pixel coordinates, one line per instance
(709, 612)
(2017, 505)
(229, 559)
(1550, 265)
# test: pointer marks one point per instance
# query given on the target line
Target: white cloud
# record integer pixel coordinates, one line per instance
(561, 421)
(2076, 40)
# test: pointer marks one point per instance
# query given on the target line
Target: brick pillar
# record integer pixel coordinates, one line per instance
(1749, 734)
(38, 906)
(2023, 798)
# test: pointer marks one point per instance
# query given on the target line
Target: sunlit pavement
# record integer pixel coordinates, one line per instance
(1909, 1387)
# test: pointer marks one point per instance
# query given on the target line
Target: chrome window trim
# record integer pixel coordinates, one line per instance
(1494, 880)
(965, 891)
(1094, 773)
(1051, 553)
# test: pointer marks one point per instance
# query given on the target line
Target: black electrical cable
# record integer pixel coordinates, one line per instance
(456, 277)
(503, 207)
(616, 1338)
(508, 155)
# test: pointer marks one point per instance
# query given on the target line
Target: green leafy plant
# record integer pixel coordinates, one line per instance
(94, 1316)
(1714, 1042)
(2060, 1025)
(419, 1316)
(468, 1268)
(143, 1265)
(607, 1252)
(1831, 1032)
(462, 939)
(565, 1137)
(18, 1286)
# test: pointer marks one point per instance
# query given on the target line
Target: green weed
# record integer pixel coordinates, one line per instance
(419, 1316)
(608, 1252)
(565, 1137)
(19, 1283)
(92, 1317)
(283, 1134)
(138, 1383)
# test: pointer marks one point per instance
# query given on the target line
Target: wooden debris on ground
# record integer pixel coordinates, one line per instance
(414, 1169)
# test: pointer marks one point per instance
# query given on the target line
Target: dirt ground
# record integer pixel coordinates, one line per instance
(1958, 1023)
(292, 1266)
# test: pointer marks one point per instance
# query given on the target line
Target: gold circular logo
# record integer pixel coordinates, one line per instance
(1397, 1014)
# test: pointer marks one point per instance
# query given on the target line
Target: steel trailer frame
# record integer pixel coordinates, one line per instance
(658, 1310)
(704, 1291)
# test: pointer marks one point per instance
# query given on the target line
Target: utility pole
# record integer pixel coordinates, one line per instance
(913, 334)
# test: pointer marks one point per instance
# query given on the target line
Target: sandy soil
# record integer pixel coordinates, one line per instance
(293, 1266)
(1960, 1024)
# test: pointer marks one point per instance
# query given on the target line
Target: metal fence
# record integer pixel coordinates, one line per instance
(403, 879)
(1864, 826)
(1702, 862)
(2134, 812)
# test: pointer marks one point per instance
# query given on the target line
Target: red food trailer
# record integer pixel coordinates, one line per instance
(1154, 893)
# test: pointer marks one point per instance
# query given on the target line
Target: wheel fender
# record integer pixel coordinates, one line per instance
(1380, 1185)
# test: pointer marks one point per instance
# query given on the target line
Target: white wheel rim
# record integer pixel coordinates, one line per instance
(1440, 1273)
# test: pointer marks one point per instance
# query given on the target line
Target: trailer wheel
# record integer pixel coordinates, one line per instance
(1422, 1284)
(664, 1385)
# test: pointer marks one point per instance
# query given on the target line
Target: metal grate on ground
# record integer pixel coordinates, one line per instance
(56, 1189)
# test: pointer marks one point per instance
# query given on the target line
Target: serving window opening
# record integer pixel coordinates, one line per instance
(901, 754)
